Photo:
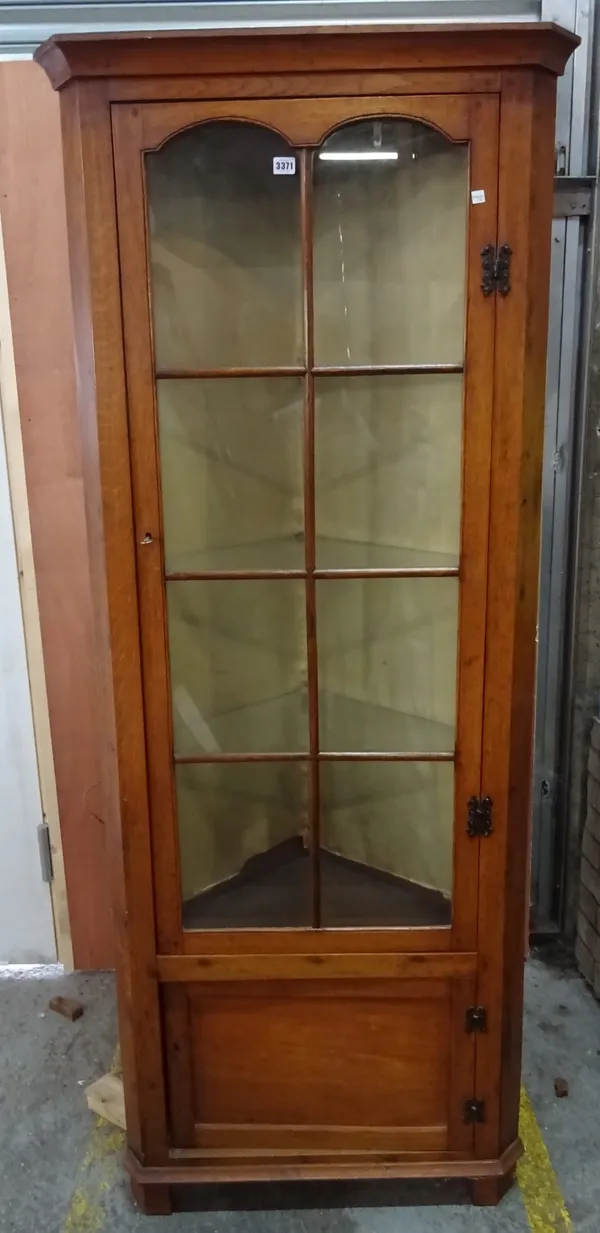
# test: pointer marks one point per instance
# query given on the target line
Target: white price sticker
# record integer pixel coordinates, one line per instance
(284, 166)
(478, 196)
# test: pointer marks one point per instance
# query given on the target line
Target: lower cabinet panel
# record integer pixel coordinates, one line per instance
(318, 1067)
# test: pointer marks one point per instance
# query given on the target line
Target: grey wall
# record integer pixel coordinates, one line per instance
(23, 26)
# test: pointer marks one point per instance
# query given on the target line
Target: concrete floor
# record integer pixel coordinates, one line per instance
(61, 1172)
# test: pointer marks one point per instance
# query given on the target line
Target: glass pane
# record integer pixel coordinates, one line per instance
(388, 471)
(390, 245)
(231, 473)
(245, 861)
(387, 664)
(225, 250)
(238, 666)
(386, 835)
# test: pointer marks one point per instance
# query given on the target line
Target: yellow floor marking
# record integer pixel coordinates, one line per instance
(99, 1169)
(538, 1183)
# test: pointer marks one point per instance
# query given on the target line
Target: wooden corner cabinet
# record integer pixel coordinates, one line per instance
(310, 281)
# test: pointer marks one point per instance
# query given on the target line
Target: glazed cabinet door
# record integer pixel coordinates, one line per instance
(309, 354)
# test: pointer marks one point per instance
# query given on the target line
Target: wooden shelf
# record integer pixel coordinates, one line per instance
(353, 719)
(287, 553)
(351, 554)
(280, 724)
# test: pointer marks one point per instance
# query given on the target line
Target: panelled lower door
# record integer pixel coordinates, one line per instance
(309, 369)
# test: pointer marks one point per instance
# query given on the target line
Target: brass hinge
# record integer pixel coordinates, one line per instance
(495, 269)
(479, 817)
(474, 1111)
(476, 1019)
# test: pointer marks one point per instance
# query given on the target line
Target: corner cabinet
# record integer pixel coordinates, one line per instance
(310, 278)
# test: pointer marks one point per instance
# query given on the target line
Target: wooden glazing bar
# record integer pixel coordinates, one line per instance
(348, 370)
(269, 756)
(239, 575)
(332, 940)
(328, 756)
(433, 571)
(309, 527)
(387, 756)
(306, 940)
(383, 370)
(234, 575)
(194, 374)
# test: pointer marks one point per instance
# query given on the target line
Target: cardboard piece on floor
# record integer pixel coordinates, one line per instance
(105, 1097)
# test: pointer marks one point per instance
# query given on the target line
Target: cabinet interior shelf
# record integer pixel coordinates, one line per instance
(280, 723)
(286, 554)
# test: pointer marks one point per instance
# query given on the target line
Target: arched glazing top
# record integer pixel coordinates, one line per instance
(378, 261)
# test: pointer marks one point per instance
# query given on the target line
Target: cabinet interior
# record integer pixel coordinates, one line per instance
(235, 367)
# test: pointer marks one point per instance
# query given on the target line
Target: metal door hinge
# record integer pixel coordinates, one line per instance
(476, 1019)
(479, 817)
(45, 848)
(474, 1111)
(495, 269)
